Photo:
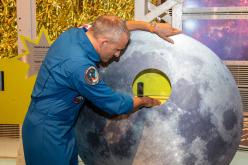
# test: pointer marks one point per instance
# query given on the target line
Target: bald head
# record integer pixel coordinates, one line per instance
(110, 27)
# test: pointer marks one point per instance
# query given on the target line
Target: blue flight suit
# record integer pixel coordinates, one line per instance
(58, 94)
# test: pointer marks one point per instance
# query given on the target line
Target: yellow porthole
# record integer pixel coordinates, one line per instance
(152, 83)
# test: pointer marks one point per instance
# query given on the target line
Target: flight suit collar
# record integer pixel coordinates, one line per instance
(87, 45)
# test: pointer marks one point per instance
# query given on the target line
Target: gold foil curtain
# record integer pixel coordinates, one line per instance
(155, 2)
(8, 29)
(57, 16)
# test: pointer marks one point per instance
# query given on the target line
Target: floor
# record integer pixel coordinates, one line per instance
(8, 147)
(9, 152)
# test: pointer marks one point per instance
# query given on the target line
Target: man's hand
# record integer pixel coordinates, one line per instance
(137, 103)
(145, 101)
(149, 102)
(165, 30)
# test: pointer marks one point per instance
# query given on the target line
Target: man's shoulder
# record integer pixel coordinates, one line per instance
(79, 59)
(76, 66)
(70, 33)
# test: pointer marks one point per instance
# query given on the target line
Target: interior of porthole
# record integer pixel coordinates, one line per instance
(152, 83)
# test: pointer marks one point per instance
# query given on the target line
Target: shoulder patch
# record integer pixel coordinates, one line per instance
(91, 75)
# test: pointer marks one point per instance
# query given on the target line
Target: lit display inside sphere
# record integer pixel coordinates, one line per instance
(199, 124)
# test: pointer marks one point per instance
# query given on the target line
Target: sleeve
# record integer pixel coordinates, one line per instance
(99, 93)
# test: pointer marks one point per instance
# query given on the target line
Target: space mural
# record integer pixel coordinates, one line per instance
(226, 37)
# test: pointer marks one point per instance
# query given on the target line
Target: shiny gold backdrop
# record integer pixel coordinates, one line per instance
(56, 16)
(8, 29)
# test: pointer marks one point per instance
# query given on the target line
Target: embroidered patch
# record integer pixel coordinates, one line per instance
(91, 75)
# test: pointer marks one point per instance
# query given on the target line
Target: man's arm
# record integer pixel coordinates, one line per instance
(163, 30)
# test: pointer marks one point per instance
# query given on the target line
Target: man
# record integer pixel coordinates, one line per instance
(67, 76)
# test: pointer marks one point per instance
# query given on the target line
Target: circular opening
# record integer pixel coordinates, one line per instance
(152, 83)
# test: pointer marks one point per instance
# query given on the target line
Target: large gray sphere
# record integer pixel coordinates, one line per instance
(200, 123)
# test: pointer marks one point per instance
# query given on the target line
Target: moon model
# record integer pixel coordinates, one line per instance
(200, 124)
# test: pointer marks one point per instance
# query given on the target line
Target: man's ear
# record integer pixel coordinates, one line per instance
(102, 41)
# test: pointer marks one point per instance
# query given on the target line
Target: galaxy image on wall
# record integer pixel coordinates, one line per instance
(227, 38)
(215, 3)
